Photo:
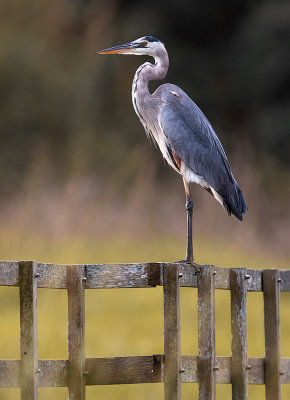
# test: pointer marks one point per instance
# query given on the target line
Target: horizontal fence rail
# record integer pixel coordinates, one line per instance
(172, 368)
(102, 276)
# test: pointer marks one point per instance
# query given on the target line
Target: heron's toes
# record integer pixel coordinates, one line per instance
(186, 261)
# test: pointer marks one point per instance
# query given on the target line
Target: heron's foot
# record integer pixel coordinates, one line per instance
(186, 261)
(196, 267)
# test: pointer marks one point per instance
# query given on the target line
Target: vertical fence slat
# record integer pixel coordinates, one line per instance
(271, 291)
(239, 333)
(171, 332)
(28, 330)
(206, 333)
(76, 332)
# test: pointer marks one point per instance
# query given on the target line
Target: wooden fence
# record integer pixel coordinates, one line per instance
(29, 373)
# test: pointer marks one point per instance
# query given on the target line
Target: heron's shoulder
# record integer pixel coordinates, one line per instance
(181, 119)
(169, 91)
(174, 98)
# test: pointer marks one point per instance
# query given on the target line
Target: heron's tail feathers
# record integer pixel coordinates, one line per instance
(234, 202)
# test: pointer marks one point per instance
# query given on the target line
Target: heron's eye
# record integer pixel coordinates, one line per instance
(144, 44)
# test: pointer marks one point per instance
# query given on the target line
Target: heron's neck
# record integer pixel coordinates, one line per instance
(146, 104)
(148, 72)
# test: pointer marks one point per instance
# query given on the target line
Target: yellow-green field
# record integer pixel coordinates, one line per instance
(130, 321)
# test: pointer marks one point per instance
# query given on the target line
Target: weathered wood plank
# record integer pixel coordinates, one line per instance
(271, 292)
(28, 330)
(123, 370)
(53, 373)
(132, 275)
(52, 276)
(222, 277)
(132, 370)
(122, 275)
(171, 332)
(239, 334)
(98, 276)
(76, 332)
(285, 280)
(190, 364)
(9, 273)
(254, 280)
(206, 334)
(9, 373)
(100, 371)
(50, 373)
(188, 274)
(256, 373)
(224, 370)
(285, 370)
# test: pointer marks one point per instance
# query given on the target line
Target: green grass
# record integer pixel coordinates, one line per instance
(130, 321)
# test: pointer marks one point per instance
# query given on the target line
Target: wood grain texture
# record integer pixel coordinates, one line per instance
(189, 274)
(256, 374)
(29, 373)
(53, 373)
(271, 292)
(76, 332)
(132, 370)
(122, 275)
(9, 373)
(132, 275)
(285, 370)
(9, 273)
(239, 334)
(171, 332)
(285, 280)
(206, 334)
(190, 365)
(123, 370)
(52, 275)
(28, 330)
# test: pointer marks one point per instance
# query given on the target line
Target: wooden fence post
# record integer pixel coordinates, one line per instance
(271, 290)
(206, 333)
(76, 332)
(28, 330)
(240, 367)
(29, 373)
(171, 332)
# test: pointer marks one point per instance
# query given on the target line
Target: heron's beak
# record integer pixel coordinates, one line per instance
(122, 48)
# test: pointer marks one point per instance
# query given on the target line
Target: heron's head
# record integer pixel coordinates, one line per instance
(146, 45)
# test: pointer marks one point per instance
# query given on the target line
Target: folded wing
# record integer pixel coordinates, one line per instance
(192, 138)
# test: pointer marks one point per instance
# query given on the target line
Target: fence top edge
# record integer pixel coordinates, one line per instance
(147, 263)
(54, 275)
(161, 263)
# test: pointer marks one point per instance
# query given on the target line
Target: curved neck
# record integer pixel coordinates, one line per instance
(148, 72)
(145, 104)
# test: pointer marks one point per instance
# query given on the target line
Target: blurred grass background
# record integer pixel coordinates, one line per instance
(79, 182)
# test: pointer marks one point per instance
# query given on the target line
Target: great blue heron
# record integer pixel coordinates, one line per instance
(184, 135)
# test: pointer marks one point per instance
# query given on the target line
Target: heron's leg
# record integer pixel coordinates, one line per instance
(189, 208)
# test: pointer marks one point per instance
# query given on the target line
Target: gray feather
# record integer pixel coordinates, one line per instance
(193, 139)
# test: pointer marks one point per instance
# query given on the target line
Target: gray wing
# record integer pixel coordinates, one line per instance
(192, 138)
